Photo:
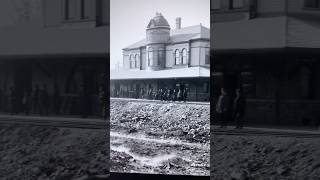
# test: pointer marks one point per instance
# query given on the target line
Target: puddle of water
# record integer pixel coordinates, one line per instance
(153, 161)
(160, 141)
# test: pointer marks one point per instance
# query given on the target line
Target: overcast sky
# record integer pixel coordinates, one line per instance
(129, 18)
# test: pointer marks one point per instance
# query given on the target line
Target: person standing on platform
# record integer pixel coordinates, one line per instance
(185, 94)
(239, 106)
(57, 99)
(103, 101)
(180, 95)
(222, 108)
(174, 95)
(44, 101)
(35, 99)
(13, 101)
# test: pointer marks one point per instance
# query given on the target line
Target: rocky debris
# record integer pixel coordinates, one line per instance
(264, 157)
(31, 152)
(187, 121)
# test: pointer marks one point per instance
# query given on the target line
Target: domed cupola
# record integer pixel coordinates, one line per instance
(158, 30)
(158, 34)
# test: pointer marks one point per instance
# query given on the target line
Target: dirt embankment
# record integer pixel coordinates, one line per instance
(185, 121)
(264, 157)
(30, 152)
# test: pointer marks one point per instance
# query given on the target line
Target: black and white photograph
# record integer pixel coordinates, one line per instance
(159, 87)
(54, 64)
(265, 89)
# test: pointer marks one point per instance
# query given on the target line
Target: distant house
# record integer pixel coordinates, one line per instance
(166, 58)
(66, 50)
(270, 49)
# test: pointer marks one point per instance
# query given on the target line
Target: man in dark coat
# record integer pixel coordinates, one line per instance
(35, 99)
(180, 95)
(239, 106)
(223, 108)
(185, 94)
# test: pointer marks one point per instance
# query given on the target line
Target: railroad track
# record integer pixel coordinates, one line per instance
(159, 102)
(54, 122)
(266, 132)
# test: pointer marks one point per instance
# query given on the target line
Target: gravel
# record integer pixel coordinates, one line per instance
(184, 121)
(45, 153)
(264, 157)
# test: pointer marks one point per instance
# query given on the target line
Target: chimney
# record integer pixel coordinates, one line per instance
(178, 23)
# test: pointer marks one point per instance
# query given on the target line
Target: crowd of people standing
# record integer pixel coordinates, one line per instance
(35, 101)
(162, 94)
(231, 109)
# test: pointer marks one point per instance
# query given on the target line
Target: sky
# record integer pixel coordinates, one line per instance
(129, 19)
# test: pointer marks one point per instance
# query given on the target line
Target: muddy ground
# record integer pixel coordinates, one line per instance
(31, 152)
(165, 138)
(265, 157)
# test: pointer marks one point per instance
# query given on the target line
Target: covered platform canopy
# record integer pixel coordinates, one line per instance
(191, 72)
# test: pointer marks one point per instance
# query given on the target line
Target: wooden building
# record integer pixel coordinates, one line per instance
(270, 49)
(64, 49)
(175, 58)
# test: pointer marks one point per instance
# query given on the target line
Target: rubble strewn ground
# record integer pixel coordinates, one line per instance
(264, 157)
(186, 121)
(165, 138)
(31, 152)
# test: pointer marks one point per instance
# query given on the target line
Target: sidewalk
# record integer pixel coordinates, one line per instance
(280, 131)
(48, 118)
(163, 102)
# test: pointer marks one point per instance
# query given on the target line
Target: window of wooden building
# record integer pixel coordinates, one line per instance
(137, 61)
(177, 57)
(161, 57)
(207, 56)
(312, 4)
(236, 4)
(150, 56)
(82, 10)
(132, 62)
(215, 4)
(184, 56)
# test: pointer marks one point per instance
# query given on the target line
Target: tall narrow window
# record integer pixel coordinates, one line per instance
(184, 56)
(215, 4)
(70, 9)
(312, 3)
(150, 56)
(137, 61)
(87, 9)
(177, 57)
(80, 9)
(207, 56)
(132, 62)
(161, 56)
(236, 4)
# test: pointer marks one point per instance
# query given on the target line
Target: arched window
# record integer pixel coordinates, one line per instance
(177, 57)
(137, 59)
(150, 56)
(160, 56)
(132, 62)
(184, 56)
